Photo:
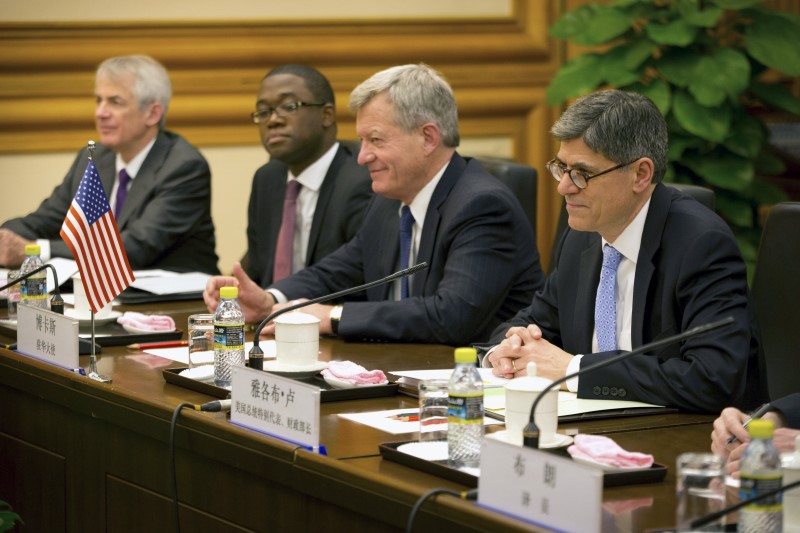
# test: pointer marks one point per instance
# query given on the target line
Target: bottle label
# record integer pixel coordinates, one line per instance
(228, 336)
(33, 289)
(753, 485)
(465, 409)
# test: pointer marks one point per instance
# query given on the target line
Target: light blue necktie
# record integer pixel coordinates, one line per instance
(605, 306)
(406, 222)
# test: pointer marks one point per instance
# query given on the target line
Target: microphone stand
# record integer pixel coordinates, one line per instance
(531, 432)
(56, 302)
(256, 356)
(707, 519)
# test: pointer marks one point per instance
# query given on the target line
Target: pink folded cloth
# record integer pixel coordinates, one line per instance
(147, 322)
(352, 373)
(604, 450)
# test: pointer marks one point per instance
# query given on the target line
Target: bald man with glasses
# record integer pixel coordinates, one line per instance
(639, 262)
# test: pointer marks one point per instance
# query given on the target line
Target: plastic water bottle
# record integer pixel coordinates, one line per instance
(228, 336)
(791, 498)
(465, 410)
(33, 291)
(761, 472)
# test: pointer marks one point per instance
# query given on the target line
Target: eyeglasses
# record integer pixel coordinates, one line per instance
(282, 110)
(579, 177)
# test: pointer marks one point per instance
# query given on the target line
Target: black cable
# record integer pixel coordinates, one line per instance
(172, 425)
(465, 495)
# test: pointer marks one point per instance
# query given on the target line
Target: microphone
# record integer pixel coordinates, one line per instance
(215, 406)
(56, 302)
(531, 432)
(256, 356)
(707, 519)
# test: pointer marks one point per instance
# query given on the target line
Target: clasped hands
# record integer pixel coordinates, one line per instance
(523, 345)
(256, 303)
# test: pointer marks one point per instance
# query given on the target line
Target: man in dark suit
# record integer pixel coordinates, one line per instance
(296, 115)
(159, 186)
(639, 262)
(431, 206)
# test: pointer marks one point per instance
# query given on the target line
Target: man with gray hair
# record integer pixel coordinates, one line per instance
(639, 262)
(158, 185)
(431, 205)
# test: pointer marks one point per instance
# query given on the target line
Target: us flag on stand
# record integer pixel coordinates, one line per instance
(90, 230)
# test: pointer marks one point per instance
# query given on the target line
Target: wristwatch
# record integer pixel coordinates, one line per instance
(336, 316)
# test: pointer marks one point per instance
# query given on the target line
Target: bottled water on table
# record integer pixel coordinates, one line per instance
(761, 472)
(33, 291)
(228, 336)
(465, 410)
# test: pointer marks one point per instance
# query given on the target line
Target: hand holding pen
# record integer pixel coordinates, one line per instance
(761, 411)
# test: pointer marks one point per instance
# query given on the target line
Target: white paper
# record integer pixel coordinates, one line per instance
(181, 353)
(570, 404)
(173, 284)
(396, 421)
(489, 379)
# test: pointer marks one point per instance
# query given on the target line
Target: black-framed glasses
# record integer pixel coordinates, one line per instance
(282, 110)
(579, 177)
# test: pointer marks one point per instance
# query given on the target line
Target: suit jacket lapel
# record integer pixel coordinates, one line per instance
(106, 164)
(145, 179)
(325, 194)
(433, 217)
(586, 293)
(388, 247)
(651, 242)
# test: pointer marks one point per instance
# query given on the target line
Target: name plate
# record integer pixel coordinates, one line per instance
(278, 406)
(48, 336)
(540, 487)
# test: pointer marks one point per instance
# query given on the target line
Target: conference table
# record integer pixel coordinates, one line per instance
(81, 455)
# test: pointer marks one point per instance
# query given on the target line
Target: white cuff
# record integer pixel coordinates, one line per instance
(44, 246)
(280, 298)
(485, 362)
(574, 366)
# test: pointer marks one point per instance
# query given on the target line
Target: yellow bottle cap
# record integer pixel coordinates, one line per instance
(229, 292)
(466, 355)
(33, 249)
(760, 428)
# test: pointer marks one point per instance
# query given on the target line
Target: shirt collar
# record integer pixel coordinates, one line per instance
(419, 205)
(132, 167)
(630, 240)
(313, 176)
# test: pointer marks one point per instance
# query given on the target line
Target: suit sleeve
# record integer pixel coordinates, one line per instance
(46, 221)
(704, 373)
(480, 263)
(789, 407)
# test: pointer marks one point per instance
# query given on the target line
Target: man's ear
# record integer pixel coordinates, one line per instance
(154, 113)
(645, 170)
(431, 137)
(328, 116)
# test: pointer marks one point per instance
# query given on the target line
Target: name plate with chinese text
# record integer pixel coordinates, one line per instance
(281, 407)
(48, 336)
(540, 487)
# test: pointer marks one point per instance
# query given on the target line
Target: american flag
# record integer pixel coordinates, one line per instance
(90, 230)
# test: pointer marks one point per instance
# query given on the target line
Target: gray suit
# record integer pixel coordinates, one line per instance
(166, 220)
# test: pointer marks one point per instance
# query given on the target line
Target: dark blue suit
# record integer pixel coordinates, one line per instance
(482, 256)
(689, 272)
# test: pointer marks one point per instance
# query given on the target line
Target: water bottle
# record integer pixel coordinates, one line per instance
(33, 291)
(760, 472)
(465, 410)
(791, 503)
(228, 336)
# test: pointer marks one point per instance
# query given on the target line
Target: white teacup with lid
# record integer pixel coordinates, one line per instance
(297, 339)
(520, 395)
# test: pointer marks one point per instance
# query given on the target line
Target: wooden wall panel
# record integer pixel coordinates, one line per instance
(498, 67)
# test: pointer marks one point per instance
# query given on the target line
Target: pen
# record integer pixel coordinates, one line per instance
(9, 346)
(165, 344)
(761, 411)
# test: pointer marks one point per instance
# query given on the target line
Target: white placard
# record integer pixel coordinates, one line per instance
(48, 336)
(278, 406)
(540, 487)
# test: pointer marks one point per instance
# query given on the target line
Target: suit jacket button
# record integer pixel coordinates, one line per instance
(605, 391)
(614, 391)
(596, 390)
(622, 392)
